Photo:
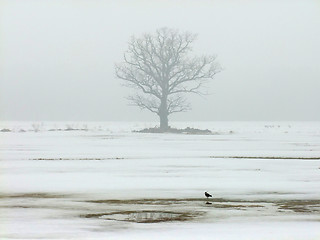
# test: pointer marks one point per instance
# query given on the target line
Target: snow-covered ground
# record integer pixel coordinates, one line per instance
(101, 180)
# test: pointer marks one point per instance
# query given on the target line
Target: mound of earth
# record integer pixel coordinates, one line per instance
(187, 130)
(5, 130)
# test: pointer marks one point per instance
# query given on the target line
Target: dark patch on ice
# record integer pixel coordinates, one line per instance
(19, 206)
(145, 216)
(137, 201)
(300, 206)
(311, 206)
(155, 201)
(238, 206)
(155, 210)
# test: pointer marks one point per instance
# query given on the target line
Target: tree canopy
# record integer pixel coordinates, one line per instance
(160, 67)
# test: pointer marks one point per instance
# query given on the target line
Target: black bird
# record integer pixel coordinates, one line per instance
(207, 194)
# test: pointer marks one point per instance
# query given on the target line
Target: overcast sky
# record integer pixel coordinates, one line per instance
(57, 57)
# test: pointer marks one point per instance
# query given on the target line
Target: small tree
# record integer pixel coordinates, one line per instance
(158, 66)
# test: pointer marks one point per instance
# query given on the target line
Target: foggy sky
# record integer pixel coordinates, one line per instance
(57, 57)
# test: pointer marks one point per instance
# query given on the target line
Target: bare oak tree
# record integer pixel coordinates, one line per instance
(159, 67)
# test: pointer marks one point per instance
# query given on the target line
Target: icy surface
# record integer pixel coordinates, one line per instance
(101, 180)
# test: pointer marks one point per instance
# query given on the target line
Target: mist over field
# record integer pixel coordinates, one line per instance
(57, 58)
(159, 119)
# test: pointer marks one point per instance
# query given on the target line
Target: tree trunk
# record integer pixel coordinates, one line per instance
(164, 122)
(163, 114)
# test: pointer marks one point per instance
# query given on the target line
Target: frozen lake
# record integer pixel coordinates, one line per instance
(101, 180)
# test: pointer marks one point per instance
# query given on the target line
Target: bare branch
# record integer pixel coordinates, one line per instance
(178, 104)
(145, 103)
